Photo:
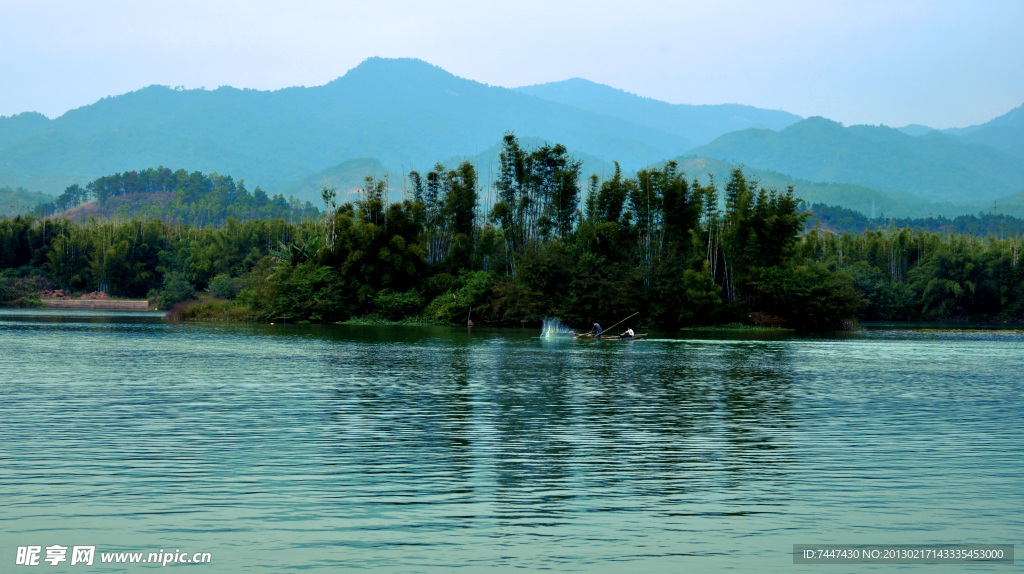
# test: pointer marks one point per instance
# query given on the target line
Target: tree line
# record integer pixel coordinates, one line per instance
(553, 244)
(844, 220)
(179, 196)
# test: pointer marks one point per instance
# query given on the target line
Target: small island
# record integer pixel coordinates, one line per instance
(538, 242)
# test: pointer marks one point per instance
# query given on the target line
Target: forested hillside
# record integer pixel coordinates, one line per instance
(1005, 133)
(842, 220)
(173, 196)
(20, 200)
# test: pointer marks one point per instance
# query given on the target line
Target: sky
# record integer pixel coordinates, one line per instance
(931, 62)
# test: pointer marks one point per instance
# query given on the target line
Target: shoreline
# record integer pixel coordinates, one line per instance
(135, 306)
(96, 304)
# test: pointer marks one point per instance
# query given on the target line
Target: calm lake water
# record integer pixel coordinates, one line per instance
(409, 449)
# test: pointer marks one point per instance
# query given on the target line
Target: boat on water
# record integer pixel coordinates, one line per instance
(608, 337)
(591, 334)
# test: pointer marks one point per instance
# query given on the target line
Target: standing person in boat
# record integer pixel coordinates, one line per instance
(628, 334)
(596, 329)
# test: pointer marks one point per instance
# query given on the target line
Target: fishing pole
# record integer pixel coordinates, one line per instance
(613, 326)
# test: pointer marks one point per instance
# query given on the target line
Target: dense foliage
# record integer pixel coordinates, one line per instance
(677, 251)
(133, 258)
(177, 196)
(843, 220)
(905, 274)
(19, 200)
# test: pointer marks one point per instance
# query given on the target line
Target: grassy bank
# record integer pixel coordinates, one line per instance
(210, 310)
(418, 321)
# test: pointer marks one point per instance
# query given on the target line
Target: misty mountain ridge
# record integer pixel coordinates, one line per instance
(934, 166)
(406, 113)
(698, 123)
(397, 111)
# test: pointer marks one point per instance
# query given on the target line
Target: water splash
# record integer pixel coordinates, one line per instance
(553, 327)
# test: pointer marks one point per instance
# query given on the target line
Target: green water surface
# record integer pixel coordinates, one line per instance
(412, 449)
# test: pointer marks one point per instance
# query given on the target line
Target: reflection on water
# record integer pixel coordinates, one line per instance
(412, 449)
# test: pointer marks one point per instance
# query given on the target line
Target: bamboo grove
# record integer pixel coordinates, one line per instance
(552, 244)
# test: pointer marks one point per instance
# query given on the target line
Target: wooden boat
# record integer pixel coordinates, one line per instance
(608, 337)
(617, 338)
(592, 335)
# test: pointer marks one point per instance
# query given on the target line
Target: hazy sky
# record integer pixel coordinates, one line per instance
(942, 64)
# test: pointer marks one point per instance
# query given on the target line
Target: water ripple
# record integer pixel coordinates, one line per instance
(415, 449)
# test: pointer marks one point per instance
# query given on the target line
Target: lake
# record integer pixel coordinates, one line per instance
(412, 449)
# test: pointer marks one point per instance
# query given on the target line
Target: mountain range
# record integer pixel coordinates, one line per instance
(934, 166)
(387, 116)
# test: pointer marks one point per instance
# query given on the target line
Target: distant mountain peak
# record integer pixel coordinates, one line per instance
(1014, 117)
(822, 121)
(814, 125)
(916, 130)
(575, 87)
(379, 62)
(26, 117)
(576, 81)
(390, 70)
